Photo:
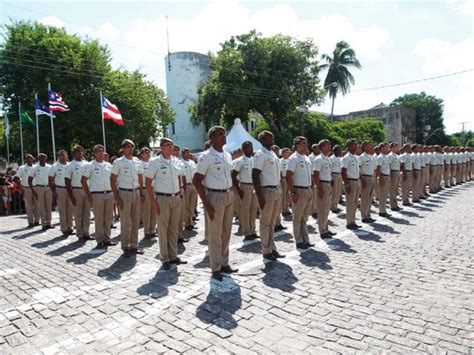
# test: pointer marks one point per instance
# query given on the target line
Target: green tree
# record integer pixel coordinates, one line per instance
(33, 55)
(362, 129)
(429, 112)
(270, 75)
(338, 64)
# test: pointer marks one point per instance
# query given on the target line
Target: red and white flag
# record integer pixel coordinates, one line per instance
(111, 112)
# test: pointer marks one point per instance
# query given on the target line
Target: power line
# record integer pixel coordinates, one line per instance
(415, 81)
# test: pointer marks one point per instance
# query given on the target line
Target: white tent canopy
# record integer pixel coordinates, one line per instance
(237, 135)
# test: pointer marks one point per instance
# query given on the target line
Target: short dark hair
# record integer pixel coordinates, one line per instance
(165, 140)
(247, 144)
(126, 142)
(299, 139)
(97, 147)
(215, 129)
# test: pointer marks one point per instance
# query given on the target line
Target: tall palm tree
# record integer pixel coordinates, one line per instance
(343, 58)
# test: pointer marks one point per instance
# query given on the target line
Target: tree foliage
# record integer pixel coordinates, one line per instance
(33, 55)
(270, 75)
(429, 111)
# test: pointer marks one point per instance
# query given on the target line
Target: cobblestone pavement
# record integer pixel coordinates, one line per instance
(402, 285)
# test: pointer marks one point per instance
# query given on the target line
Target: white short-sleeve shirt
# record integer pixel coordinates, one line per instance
(40, 175)
(416, 161)
(127, 171)
(189, 169)
(394, 161)
(165, 174)
(301, 167)
(322, 164)
(336, 164)
(98, 175)
(74, 172)
(284, 166)
(23, 173)
(351, 164)
(384, 163)
(407, 160)
(216, 168)
(268, 163)
(367, 164)
(58, 171)
(243, 166)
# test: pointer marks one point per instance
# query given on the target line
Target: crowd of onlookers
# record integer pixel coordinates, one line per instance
(11, 192)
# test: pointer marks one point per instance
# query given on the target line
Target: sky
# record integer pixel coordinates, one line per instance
(395, 41)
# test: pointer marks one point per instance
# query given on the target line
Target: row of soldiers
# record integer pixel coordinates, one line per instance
(163, 191)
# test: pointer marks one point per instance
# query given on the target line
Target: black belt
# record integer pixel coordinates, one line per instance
(41, 186)
(407, 170)
(189, 183)
(246, 183)
(352, 179)
(327, 182)
(394, 170)
(367, 175)
(385, 175)
(335, 173)
(166, 194)
(76, 187)
(417, 169)
(218, 190)
(302, 187)
(269, 187)
(61, 187)
(101, 192)
(127, 189)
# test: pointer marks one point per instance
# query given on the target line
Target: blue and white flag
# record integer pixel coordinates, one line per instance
(42, 109)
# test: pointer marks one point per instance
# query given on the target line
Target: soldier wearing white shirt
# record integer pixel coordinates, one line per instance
(285, 193)
(148, 214)
(266, 177)
(432, 169)
(335, 161)
(406, 168)
(425, 171)
(394, 161)
(126, 182)
(214, 174)
(31, 204)
(164, 190)
(190, 193)
(278, 225)
(314, 153)
(471, 163)
(446, 167)
(242, 181)
(452, 167)
(440, 164)
(182, 183)
(416, 173)
(367, 168)
(57, 184)
(323, 180)
(96, 184)
(299, 178)
(421, 175)
(457, 156)
(351, 175)
(383, 175)
(82, 206)
(38, 180)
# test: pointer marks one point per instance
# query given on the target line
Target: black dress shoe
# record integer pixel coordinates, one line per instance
(309, 245)
(396, 209)
(31, 225)
(366, 220)
(423, 197)
(256, 236)
(127, 253)
(269, 256)
(37, 224)
(326, 236)
(331, 233)
(100, 246)
(217, 275)
(178, 261)
(137, 251)
(183, 240)
(109, 243)
(314, 215)
(87, 237)
(228, 270)
(166, 266)
(416, 201)
(277, 255)
(249, 237)
(407, 204)
(301, 246)
(384, 215)
(352, 226)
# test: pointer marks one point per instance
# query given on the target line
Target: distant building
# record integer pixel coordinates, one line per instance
(185, 71)
(399, 122)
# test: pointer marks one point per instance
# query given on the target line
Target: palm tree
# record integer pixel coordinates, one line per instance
(339, 78)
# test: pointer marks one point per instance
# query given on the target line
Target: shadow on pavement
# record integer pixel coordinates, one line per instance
(121, 265)
(66, 248)
(315, 258)
(47, 243)
(157, 287)
(279, 275)
(340, 245)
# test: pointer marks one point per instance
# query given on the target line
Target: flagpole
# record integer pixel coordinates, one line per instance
(52, 129)
(7, 136)
(102, 119)
(21, 134)
(37, 131)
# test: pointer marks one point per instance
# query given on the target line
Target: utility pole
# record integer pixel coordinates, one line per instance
(463, 132)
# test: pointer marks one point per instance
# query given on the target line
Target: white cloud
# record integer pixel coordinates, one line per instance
(52, 21)
(441, 57)
(464, 7)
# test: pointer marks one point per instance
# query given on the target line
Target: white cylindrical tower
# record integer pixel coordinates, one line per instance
(185, 71)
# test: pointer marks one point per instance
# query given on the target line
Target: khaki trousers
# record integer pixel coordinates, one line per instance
(45, 204)
(191, 199)
(394, 181)
(148, 216)
(432, 179)
(129, 219)
(336, 190)
(323, 207)
(446, 175)
(31, 206)
(248, 210)
(463, 172)
(65, 208)
(375, 187)
(314, 205)
(452, 174)
(458, 174)
(301, 211)
(181, 212)
(285, 196)
(384, 188)
(366, 197)
(236, 204)
(439, 176)
(102, 206)
(82, 212)
(406, 185)
(220, 228)
(168, 226)
(416, 185)
(426, 179)
(268, 218)
(351, 201)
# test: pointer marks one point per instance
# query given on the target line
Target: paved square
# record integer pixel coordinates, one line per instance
(403, 285)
